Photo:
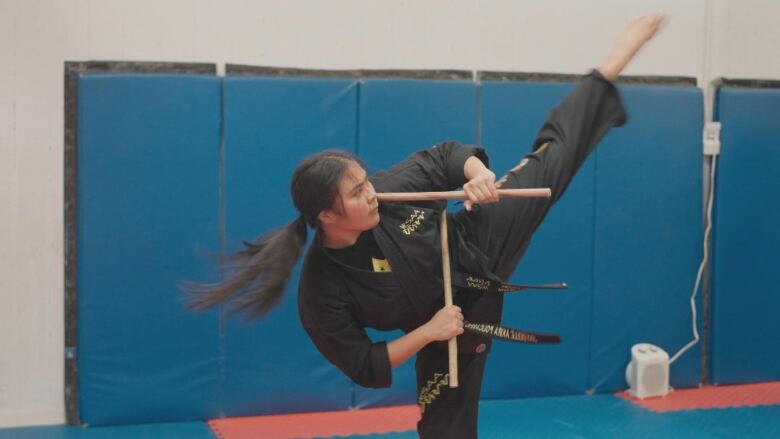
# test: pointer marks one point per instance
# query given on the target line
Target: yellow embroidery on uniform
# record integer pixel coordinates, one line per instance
(477, 284)
(381, 265)
(413, 222)
(432, 389)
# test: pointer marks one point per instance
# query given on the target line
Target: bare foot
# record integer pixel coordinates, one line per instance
(638, 32)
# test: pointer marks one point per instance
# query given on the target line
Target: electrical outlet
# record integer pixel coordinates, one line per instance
(711, 138)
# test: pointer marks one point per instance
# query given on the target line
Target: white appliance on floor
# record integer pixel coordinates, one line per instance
(647, 373)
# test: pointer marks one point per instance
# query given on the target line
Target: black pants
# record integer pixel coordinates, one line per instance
(502, 232)
(446, 412)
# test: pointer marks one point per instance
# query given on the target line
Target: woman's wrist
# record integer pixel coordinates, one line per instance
(402, 348)
(425, 332)
(474, 167)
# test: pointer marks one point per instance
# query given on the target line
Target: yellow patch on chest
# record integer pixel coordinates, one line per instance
(381, 265)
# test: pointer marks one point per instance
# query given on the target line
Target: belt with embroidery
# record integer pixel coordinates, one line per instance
(476, 283)
(510, 334)
(472, 282)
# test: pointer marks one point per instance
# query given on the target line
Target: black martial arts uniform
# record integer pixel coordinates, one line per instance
(338, 299)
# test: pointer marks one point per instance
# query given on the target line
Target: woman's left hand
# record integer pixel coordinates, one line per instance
(481, 189)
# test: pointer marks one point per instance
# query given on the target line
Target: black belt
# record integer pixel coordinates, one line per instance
(476, 283)
(510, 334)
(472, 282)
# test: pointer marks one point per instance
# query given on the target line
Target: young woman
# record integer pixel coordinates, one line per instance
(379, 265)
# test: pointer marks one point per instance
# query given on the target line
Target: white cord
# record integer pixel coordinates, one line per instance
(703, 262)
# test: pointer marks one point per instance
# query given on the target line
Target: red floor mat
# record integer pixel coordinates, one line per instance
(307, 425)
(712, 397)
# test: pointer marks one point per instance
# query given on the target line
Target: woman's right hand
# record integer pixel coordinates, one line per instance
(446, 324)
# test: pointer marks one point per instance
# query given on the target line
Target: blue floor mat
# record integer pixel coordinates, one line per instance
(184, 430)
(600, 416)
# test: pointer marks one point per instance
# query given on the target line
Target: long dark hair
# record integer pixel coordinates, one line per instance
(258, 273)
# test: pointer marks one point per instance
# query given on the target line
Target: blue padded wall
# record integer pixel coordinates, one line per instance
(147, 202)
(626, 237)
(397, 118)
(562, 250)
(400, 116)
(271, 124)
(648, 233)
(746, 298)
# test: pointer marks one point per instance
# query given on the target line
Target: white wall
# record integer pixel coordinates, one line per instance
(706, 38)
(746, 39)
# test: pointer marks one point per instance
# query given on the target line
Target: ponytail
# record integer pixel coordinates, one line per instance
(260, 272)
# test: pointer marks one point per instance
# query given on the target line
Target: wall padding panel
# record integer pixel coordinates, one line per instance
(746, 296)
(561, 251)
(648, 233)
(147, 203)
(271, 124)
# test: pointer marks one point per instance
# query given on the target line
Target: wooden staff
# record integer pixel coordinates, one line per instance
(452, 344)
(452, 195)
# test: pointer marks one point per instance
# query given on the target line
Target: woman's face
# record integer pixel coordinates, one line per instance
(357, 207)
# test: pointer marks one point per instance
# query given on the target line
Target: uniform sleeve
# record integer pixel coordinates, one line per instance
(332, 327)
(438, 168)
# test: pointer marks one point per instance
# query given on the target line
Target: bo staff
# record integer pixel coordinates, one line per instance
(451, 195)
(452, 344)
